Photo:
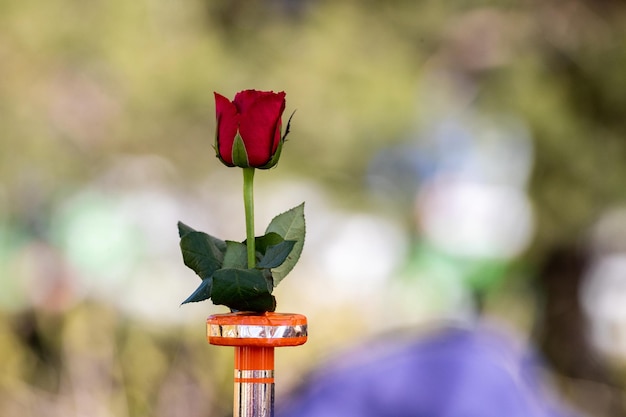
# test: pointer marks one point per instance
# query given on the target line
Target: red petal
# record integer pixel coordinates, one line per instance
(258, 126)
(244, 99)
(227, 125)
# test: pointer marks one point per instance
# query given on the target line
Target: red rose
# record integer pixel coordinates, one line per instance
(248, 132)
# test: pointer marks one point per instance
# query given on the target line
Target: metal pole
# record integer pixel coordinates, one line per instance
(254, 336)
(254, 382)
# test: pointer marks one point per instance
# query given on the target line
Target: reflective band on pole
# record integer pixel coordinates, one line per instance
(254, 376)
(257, 329)
(247, 331)
(254, 393)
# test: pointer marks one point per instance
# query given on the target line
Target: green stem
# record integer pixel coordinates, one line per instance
(248, 201)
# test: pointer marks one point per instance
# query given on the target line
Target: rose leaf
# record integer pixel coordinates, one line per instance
(290, 226)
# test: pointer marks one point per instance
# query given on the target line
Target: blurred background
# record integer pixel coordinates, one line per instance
(460, 162)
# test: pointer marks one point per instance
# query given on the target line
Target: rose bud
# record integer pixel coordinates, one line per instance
(248, 132)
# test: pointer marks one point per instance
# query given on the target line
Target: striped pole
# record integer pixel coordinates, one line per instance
(254, 336)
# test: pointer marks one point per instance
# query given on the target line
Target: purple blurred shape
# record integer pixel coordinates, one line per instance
(451, 373)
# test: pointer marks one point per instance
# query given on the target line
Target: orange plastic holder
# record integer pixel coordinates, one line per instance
(257, 329)
(254, 336)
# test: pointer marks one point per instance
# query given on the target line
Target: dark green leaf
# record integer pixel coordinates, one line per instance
(203, 253)
(290, 226)
(261, 243)
(275, 255)
(242, 289)
(269, 280)
(236, 255)
(203, 292)
(183, 229)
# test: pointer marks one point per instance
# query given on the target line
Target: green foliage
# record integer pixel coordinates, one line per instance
(268, 239)
(223, 265)
(236, 255)
(203, 253)
(203, 292)
(289, 225)
(243, 289)
(276, 255)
